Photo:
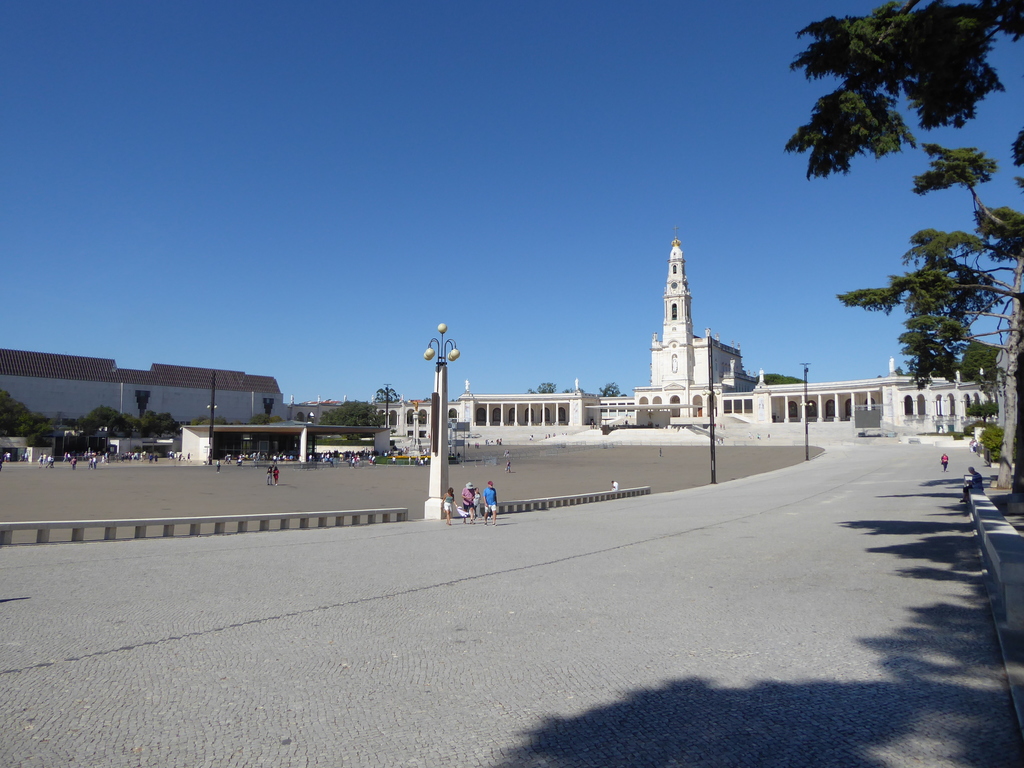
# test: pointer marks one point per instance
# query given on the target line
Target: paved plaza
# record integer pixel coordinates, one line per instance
(826, 614)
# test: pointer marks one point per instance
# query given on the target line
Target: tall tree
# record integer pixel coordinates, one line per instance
(611, 389)
(933, 55)
(964, 287)
(354, 413)
(934, 58)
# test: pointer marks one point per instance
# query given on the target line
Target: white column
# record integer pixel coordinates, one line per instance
(439, 451)
(302, 443)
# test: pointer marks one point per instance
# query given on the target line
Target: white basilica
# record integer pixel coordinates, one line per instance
(685, 367)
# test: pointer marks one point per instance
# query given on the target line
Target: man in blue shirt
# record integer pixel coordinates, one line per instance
(491, 500)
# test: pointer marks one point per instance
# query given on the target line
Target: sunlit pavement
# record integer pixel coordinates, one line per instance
(827, 614)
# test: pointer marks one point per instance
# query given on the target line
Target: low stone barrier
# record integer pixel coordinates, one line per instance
(552, 502)
(1002, 547)
(200, 525)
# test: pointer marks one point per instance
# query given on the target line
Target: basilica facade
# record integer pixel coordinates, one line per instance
(686, 366)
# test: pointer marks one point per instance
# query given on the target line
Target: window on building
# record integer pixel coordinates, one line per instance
(675, 311)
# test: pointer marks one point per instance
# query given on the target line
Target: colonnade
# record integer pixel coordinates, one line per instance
(553, 413)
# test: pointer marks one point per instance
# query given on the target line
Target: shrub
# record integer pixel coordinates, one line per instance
(992, 438)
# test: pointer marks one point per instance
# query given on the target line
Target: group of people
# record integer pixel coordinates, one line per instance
(474, 504)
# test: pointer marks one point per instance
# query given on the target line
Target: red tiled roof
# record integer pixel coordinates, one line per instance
(46, 365)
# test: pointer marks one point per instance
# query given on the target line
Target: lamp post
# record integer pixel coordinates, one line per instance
(711, 402)
(213, 408)
(807, 444)
(444, 351)
(389, 395)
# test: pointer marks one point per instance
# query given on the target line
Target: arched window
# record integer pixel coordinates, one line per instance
(698, 402)
(561, 416)
(409, 416)
(481, 415)
(643, 400)
(792, 410)
(452, 413)
(547, 415)
(952, 405)
(675, 311)
(812, 409)
(423, 416)
(830, 409)
(674, 400)
(496, 416)
(675, 363)
(939, 410)
(908, 406)
(673, 269)
(977, 400)
(511, 416)
(299, 416)
(656, 401)
(967, 403)
(848, 410)
(920, 405)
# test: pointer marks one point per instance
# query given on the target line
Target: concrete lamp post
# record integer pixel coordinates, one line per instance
(806, 405)
(444, 351)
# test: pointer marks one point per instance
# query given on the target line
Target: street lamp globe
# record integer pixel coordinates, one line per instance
(429, 354)
(453, 355)
(442, 328)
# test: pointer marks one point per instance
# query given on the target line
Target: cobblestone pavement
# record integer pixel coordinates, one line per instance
(829, 614)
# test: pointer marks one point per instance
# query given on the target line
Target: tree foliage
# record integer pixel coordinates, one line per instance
(781, 378)
(157, 424)
(105, 417)
(983, 411)
(932, 55)
(354, 413)
(16, 420)
(980, 363)
(611, 389)
(385, 395)
(961, 286)
(546, 388)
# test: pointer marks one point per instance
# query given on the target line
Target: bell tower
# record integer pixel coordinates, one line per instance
(672, 356)
(678, 325)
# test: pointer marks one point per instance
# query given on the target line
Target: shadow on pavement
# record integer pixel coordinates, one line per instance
(940, 698)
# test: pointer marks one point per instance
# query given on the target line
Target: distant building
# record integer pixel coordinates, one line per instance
(686, 367)
(71, 386)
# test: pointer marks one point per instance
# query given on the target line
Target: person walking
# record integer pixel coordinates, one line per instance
(468, 504)
(270, 475)
(508, 466)
(945, 462)
(479, 508)
(277, 474)
(491, 502)
(446, 505)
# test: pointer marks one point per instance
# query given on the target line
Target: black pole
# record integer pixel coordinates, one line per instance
(213, 405)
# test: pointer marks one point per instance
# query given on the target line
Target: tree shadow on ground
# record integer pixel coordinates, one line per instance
(940, 699)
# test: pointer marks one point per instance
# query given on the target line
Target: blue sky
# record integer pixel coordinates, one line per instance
(305, 190)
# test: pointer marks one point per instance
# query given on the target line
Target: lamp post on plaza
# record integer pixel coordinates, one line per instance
(213, 408)
(807, 444)
(444, 351)
(711, 402)
(387, 394)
